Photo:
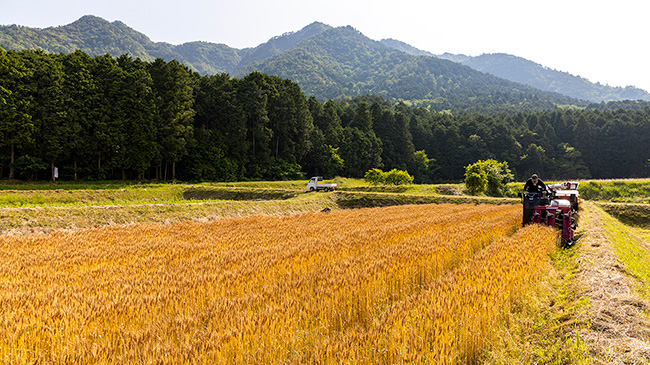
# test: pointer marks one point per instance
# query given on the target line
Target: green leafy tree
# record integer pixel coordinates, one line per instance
(173, 89)
(114, 108)
(136, 113)
(259, 134)
(84, 139)
(46, 109)
(360, 151)
(330, 124)
(392, 177)
(374, 176)
(569, 163)
(489, 176)
(220, 130)
(16, 126)
(475, 182)
(397, 177)
(27, 166)
(337, 164)
(422, 166)
(534, 160)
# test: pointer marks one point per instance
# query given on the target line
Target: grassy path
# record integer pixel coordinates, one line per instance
(614, 275)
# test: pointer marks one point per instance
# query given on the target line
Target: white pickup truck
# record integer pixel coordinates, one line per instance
(316, 183)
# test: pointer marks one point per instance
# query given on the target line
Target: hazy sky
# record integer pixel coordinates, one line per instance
(603, 41)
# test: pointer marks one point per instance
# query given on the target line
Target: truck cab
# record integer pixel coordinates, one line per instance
(316, 183)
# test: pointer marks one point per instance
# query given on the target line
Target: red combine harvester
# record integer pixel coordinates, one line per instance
(559, 209)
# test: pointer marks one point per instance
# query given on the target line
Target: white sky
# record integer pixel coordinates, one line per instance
(605, 42)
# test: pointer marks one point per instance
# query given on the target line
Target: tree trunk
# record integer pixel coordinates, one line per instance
(277, 146)
(11, 166)
(75, 169)
(165, 175)
(173, 170)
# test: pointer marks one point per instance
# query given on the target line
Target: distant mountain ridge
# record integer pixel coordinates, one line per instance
(343, 62)
(97, 36)
(333, 62)
(521, 70)
(527, 72)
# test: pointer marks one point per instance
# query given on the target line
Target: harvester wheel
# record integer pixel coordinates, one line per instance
(312, 189)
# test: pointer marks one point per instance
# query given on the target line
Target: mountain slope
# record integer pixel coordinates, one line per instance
(343, 62)
(327, 62)
(96, 36)
(404, 47)
(282, 43)
(527, 72)
(90, 34)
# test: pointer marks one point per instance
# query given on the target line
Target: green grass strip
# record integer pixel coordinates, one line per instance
(632, 250)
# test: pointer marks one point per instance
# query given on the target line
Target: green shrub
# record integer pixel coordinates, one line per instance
(397, 177)
(475, 182)
(392, 177)
(374, 177)
(489, 177)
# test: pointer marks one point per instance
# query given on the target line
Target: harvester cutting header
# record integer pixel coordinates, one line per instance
(553, 205)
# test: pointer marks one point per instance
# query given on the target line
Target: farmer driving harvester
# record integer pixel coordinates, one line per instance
(554, 205)
(534, 186)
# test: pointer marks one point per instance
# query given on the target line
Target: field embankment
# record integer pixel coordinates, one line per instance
(621, 191)
(632, 214)
(39, 208)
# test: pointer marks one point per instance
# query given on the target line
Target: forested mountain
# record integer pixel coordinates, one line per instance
(92, 35)
(96, 36)
(406, 48)
(322, 68)
(526, 72)
(343, 62)
(280, 44)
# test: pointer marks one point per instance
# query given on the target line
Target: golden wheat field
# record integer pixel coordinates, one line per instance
(426, 283)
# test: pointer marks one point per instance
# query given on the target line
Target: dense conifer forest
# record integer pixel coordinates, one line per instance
(123, 118)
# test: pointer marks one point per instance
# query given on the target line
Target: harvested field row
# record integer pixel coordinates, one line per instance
(46, 219)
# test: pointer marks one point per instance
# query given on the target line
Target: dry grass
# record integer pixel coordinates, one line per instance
(47, 219)
(619, 331)
(382, 285)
